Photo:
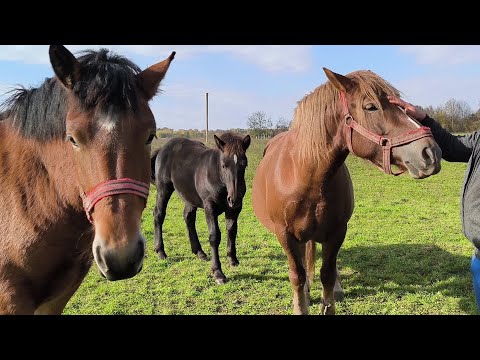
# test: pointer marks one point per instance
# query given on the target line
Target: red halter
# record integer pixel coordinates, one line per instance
(113, 187)
(386, 143)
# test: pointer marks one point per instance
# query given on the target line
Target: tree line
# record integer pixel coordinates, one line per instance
(455, 116)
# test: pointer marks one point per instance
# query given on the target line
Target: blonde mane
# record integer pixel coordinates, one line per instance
(317, 113)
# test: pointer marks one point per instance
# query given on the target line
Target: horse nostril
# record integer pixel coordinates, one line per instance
(99, 255)
(429, 156)
(141, 249)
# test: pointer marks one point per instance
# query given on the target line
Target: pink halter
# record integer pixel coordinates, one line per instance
(113, 187)
(386, 143)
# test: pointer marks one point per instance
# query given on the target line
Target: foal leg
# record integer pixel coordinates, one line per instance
(295, 251)
(164, 192)
(328, 272)
(190, 215)
(231, 217)
(214, 239)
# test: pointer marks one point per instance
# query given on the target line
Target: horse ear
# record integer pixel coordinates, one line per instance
(220, 143)
(246, 142)
(341, 83)
(65, 65)
(151, 77)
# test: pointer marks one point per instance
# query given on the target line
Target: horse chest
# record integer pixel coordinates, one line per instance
(52, 264)
(311, 218)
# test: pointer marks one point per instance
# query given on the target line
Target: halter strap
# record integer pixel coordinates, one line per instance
(113, 187)
(387, 144)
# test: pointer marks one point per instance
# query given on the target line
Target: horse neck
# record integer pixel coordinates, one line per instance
(41, 171)
(215, 156)
(335, 146)
(57, 157)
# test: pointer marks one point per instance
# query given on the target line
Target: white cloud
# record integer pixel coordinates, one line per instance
(443, 54)
(289, 58)
(437, 90)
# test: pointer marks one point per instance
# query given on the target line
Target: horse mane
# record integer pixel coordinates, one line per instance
(233, 143)
(105, 80)
(317, 111)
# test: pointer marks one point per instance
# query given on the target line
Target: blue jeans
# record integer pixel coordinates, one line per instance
(475, 267)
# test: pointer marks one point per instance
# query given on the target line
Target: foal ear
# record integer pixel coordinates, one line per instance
(150, 78)
(246, 142)
(65, 65)
(220, 143)
(341, 83)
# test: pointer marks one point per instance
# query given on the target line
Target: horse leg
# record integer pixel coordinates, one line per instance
(15, 300)
(295, 251)
(56, 305)
(214, 239)
(73, 280)
(338, 292)
(310, 258)
(329, 271)
(164, 192)
(231, 218)
(190, 215)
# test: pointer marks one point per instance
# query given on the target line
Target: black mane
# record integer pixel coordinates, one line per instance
(106, 80)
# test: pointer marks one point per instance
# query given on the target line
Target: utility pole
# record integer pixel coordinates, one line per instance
(206, 131)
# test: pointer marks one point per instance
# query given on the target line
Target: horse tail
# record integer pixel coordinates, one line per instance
(153, 159)
(310, 262)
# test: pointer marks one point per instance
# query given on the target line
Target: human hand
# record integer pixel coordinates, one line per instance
(410, 109)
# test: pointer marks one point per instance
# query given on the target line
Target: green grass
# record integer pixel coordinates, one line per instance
(404, 253)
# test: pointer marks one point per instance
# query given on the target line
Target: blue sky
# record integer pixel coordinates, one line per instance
(242, 79)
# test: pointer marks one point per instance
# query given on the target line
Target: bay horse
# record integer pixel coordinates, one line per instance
(302, 190)
(74, 175)
(211, 179)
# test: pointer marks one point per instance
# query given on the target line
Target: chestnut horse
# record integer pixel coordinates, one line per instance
(302, 190)
(74, 175)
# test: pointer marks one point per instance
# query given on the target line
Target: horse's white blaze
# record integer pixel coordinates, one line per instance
(413, 121)
(235, 159)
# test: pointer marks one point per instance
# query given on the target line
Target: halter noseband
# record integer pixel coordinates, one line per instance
(387, 144)
(113, 187)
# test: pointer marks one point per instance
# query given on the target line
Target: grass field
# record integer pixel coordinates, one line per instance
(404, 253)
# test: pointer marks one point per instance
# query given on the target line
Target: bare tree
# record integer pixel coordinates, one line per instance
(259, 124)
(281, 125)
(456, 112)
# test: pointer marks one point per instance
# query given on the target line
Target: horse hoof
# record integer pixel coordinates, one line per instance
(327, 309)
(339, 295)
(219, 277)
(162, 255)
(221, 281)
(233, 262)
(202, 256)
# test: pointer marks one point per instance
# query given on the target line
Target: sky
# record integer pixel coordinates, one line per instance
(243, 79)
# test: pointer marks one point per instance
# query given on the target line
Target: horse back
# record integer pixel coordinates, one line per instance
(178, 163)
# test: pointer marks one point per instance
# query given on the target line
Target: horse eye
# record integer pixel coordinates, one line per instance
(72, 140)
(150, 139)
(370, 107)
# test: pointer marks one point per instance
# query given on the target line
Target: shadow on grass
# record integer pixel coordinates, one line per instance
(406, 268)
